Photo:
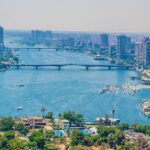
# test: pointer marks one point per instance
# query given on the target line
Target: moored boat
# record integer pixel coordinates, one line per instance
(3, 69)
(99, 57)
(112, 61)
(145, 106)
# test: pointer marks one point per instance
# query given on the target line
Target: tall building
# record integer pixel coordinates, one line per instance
(144, 52)
(1, 38)
(48, 34)
(112, 51)
(38, 35)
(123, 46)
(136, 50)
(104, 41)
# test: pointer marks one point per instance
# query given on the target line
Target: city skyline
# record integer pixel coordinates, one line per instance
(71, 15)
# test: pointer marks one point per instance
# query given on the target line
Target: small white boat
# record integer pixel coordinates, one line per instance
(99, 57)
(19, 108)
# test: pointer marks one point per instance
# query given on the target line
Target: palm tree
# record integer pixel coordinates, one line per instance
(113, 112)
(43, 109)
(106, 119)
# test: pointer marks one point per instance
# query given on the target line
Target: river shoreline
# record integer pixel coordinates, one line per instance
(68, 89)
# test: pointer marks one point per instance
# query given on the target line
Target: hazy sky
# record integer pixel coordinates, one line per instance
(76, 15)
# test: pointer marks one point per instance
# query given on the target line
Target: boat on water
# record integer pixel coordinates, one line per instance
(105, 89)
(21, 85)
(3, 69)
(112, 61)
(135, 78)
(102, 91)
(139, 69)
(145, 106)
(99, 57)
(19, 108)
(110, 88)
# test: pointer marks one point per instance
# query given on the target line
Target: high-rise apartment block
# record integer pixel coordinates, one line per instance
(1, 39)
(104, 41)
(38, 35)
(123, 46)
(144, 52)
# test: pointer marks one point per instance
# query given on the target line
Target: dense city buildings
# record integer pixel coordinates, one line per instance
(1, 38)
(122, 49)
(104, 42)
(112, 51)
(39, 36)
(144, 52)
(127, 48)
(123, 46)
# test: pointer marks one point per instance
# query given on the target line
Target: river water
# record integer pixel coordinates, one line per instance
(71, 88)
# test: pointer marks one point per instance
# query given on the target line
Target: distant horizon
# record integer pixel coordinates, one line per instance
(69, 31)
(77, 15)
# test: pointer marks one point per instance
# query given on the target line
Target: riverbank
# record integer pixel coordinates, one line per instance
(56, 133)
(7, 57)
(69, 89)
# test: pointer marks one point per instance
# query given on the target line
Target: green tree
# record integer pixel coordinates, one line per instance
(88, 141)
(49, 134)
(76, 137)
(39, 138)
(22, 128)
(111, 135)
(49, 146)
(7, 124)
(32, 145)
(18, 144)
(123, 126)
(43, 110)
(129, 146)
(112, 140)
(79, 147)
(3, 141)
(105, 146)
(49, 115)
(120, 136)
(104, 131)
(73, 117)
(10, 135)
(140, 128)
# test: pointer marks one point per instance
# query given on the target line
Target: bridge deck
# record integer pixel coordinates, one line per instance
(56, 65)
(17, 48)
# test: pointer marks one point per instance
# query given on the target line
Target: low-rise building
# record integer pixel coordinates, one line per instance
(146, 108)
(35, 122)
(62, 124)
(145, 78)
(107, 121)
(92, 131)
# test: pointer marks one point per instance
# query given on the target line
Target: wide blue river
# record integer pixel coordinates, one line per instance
(71, 88)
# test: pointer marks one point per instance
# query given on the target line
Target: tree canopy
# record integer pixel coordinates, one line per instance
(7, 124)
(73, 117)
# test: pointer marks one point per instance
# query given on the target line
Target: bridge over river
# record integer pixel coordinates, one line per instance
(59, 66)
(34, 48)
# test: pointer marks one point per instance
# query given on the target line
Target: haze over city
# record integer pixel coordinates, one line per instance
(74, 75)
(76, 15)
